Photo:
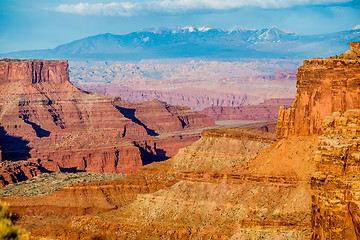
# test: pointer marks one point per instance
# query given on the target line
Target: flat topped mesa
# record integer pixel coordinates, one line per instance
(34, 71)
(323, 86)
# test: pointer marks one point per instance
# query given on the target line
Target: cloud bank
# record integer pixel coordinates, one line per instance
(181, 6)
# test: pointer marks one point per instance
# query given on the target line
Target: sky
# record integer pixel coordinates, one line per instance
(43, 24)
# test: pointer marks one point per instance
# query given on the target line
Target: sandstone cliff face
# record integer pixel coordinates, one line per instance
(43, 116)
(336, 201)
(323, 87)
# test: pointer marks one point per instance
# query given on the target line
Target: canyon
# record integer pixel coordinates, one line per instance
(54, 126)
(196, 84)
(299, 183)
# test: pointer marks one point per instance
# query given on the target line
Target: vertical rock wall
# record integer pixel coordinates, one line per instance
(323, 86)
(35, 71)
(336, 183)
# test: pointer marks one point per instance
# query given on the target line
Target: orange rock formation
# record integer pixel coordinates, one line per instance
(335, 207)
(43, 116)
(323, 87)
(231, 183)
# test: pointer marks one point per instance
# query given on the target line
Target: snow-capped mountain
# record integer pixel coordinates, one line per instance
(190, 41)
(357, 27)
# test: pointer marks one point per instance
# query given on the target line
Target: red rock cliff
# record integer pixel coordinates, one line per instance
(37, 71)
(323, 87)
(335, 185)
(43, 116)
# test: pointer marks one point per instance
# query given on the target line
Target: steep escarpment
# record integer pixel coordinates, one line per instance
(43, 116)
(323, 87)
(336, 183)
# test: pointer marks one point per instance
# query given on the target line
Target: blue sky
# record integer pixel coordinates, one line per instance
(41, 24)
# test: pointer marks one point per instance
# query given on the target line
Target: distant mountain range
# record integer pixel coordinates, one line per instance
(207, 42)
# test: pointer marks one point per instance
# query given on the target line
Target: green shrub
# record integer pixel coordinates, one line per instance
(8, 229)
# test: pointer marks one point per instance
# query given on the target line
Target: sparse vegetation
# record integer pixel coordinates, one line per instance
(11, 60)
(8, 229)
(50, 182)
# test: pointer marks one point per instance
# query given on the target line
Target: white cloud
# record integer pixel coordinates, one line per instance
(109, 9)
(180, 6)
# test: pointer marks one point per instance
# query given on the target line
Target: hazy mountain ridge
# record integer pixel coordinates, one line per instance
(198, 42)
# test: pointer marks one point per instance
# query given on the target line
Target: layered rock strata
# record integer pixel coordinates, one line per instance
(335, 185)
(324, 86)
(43, 116)
(231, 184)
(213, 188)
(160, 117)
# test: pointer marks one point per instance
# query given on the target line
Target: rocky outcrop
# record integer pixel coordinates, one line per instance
(43, 116)
(335, 185)
(268, 110)
(324, 86)
(13, 172)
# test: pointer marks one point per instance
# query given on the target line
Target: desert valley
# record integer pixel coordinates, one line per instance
(182, 172)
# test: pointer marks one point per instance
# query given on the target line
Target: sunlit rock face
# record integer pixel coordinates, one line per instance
(323, 87)
(336, 183)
